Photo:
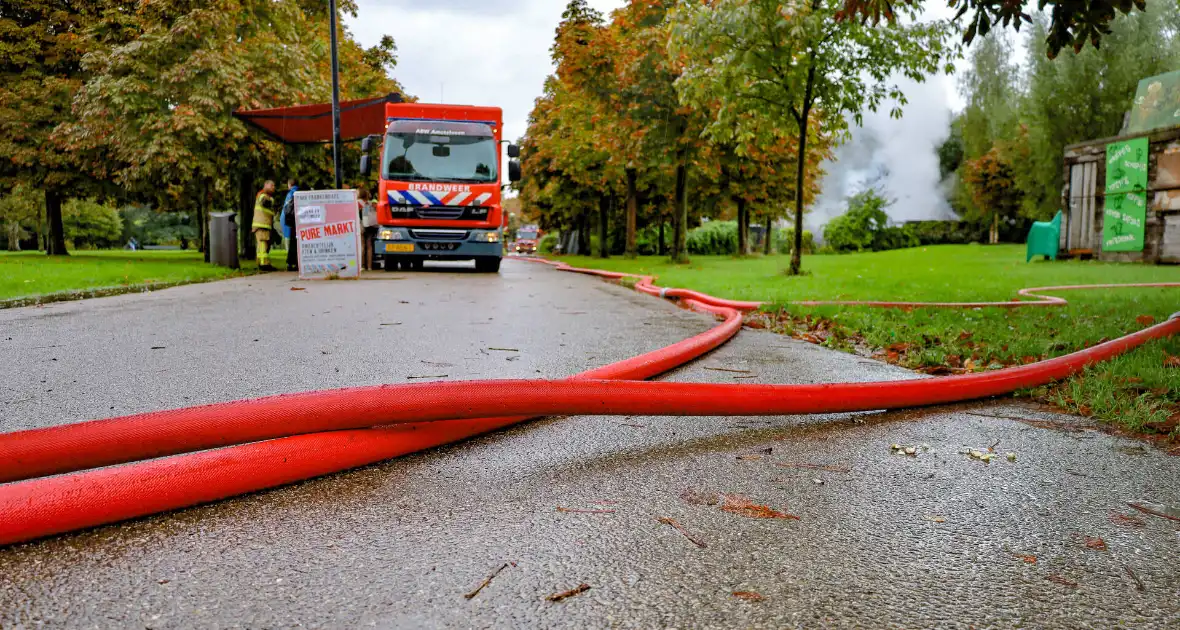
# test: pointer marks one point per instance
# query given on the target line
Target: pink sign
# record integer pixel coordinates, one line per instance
(329, 243)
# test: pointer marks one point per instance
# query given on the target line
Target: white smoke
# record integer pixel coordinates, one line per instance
(898, 157)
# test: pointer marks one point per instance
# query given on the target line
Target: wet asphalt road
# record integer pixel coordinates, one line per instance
(933, 541)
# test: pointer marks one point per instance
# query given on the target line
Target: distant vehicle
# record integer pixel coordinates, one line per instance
(527, 238)
(440, 178)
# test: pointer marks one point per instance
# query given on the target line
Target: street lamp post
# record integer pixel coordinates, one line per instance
(337, 158)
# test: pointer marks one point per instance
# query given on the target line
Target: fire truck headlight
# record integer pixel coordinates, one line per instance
(389, 235)
(487, 237)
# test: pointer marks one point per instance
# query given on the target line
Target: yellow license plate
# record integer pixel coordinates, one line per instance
(401, 248)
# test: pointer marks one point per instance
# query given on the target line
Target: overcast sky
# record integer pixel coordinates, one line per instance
(496, 52)
(473, 52)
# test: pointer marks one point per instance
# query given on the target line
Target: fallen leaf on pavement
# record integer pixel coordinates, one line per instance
(1147, 510)
(1096, 544)
(680, 528)
(1027, 558)
(298, 289)
(749, 596)
(935, 519)
(1061, 580)
(700, 497)
(556, 597)
(742, 506)
(1145, 320)
(1125, 520)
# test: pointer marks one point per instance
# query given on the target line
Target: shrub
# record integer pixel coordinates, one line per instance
(714, 237)
(893, 238)
(547, 243)
(865, 226)
(784, 241)
(945, 232)
(90, 224)
(853, 231)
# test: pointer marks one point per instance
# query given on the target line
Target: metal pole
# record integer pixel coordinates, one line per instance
(336, 157)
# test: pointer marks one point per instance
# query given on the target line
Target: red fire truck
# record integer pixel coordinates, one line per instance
(527, 237)
(439, 195)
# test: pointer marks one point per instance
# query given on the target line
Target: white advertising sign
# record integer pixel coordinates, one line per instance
(329, 239)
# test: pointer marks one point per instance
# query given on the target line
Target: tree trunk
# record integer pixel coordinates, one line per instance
(57, 232)
(680, 210)
(800, 174)
(743, 221)
(800, 162)
(768, 240)
(632, 213)
(13, 236)
(584, 232)
(660, 245)
(604, 203)
(247, 248)
(203, 222)
(994, 233)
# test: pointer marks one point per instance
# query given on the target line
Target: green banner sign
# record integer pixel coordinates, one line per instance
(1126, 166)
(1122, 222)
(1125, 210)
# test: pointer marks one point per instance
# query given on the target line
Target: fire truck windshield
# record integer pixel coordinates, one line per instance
(420, 156)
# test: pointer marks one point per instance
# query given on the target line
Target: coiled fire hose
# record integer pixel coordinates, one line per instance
(70, 477)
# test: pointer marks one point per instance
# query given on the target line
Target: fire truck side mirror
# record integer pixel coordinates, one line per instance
(514, 171)
(513, 151)
(367, 144)
(365, 165)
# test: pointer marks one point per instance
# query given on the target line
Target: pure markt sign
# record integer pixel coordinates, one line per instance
(326, 221)
(1125, 211)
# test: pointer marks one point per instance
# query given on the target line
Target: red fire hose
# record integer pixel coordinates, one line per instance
(272, 441)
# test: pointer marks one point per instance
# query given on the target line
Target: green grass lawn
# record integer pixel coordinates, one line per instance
(1136, 390)
(28, 274)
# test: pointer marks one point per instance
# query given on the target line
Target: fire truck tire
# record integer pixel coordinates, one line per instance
(487, 264)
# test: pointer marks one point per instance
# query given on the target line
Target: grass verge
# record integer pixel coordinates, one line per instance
(33, 278)
(1139, 391)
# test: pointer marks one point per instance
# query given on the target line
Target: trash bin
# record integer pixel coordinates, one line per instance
(223, 239)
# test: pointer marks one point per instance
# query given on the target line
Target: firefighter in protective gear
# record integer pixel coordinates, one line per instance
(264, 218)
